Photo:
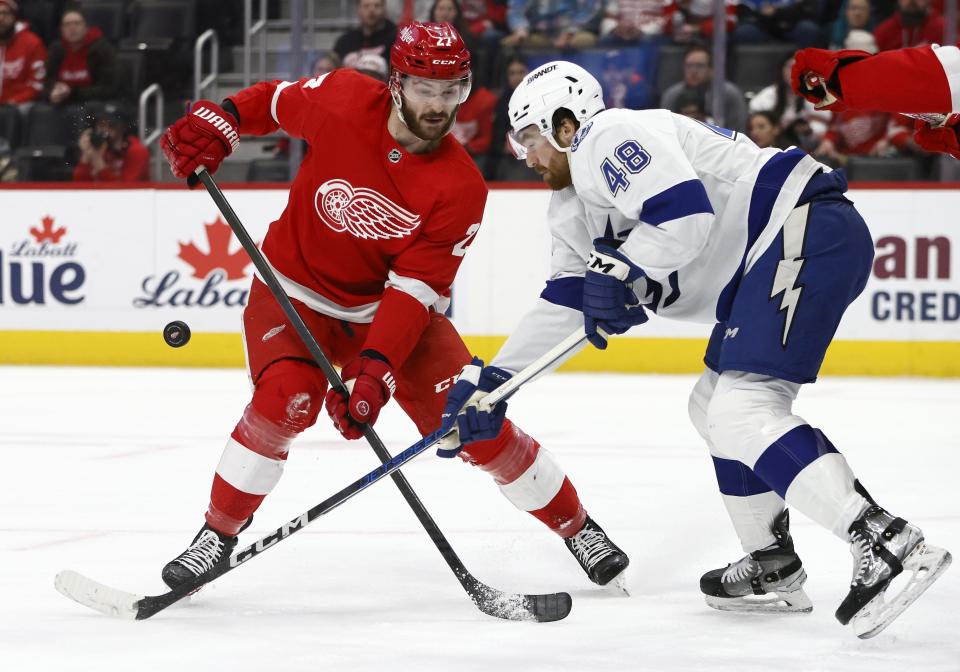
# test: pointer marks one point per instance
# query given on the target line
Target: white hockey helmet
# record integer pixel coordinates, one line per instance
(545, 90)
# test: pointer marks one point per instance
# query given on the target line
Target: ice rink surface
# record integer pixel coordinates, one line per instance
(107, 471)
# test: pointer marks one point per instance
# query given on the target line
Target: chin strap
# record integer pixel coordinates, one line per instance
(397, 98)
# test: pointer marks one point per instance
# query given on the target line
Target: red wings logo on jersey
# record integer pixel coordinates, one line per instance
(362, 212)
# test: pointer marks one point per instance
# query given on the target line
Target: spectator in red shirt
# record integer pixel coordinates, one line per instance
(861, 133)
(82, 65)
(22, 57)
(474, 125)
(110, 152)
(913, 24)
(485, 17)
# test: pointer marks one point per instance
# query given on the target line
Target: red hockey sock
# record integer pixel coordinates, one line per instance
(530, 478)
(286, 401)
(564, 514)
(250, 466)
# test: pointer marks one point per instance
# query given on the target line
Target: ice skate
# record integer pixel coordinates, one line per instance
(768, 580)
(208, 550)
(601, 559)
(883, 546)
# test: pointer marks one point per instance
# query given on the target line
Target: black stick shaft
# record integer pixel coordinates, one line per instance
(148, 606)
(268, 277)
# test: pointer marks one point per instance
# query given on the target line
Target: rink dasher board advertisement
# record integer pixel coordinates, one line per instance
(86, 275)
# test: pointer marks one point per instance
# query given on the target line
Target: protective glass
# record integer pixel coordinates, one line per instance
(529, 139)
(448, 92)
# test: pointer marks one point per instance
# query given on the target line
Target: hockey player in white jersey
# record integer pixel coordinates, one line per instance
(653, 211)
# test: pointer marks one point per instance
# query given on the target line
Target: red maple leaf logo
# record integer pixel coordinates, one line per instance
(219, 256)
(48, 232)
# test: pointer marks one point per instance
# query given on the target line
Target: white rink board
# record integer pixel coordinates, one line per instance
(127, 246)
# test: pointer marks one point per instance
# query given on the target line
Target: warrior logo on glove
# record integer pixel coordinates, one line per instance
(219, 123)
(204, 137)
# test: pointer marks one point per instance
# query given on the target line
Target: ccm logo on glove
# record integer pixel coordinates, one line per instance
(607, 265)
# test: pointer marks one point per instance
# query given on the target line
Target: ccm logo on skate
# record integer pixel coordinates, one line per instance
(267, 542)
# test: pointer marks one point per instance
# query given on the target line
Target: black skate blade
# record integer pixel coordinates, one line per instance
(545, 608)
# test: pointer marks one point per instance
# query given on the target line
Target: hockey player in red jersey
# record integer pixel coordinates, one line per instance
(380, 215)
(916, 81)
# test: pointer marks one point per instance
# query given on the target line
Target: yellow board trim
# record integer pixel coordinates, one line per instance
(625, 355)
(107, 348)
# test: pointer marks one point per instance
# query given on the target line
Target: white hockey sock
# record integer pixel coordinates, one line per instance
(753, 517)
(824, 492)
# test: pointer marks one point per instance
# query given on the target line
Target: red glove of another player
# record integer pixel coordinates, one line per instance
(814, 75)
(205, 136)
(938, 138)
(373, 384)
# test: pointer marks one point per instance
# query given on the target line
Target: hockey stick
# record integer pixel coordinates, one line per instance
(549, 607)
(478, 592)
(512, 606)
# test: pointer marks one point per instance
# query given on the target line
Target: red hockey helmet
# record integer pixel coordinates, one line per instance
(431, 51)
(431, 65)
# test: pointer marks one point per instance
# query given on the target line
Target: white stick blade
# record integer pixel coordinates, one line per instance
(89, 593)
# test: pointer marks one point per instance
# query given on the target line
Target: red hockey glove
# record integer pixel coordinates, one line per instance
(370, 381)
(941, 138)
(205, 136)
(815, 75)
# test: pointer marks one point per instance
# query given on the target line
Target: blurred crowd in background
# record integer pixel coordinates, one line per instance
(71, 73)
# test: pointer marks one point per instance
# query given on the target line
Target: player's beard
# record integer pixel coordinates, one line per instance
(434, 135)
(557, 172)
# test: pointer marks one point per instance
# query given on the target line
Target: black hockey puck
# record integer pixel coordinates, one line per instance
(176, 334)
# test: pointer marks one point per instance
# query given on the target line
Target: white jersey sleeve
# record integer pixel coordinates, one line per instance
(539, 331)
(557, 313)
(639, 170)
